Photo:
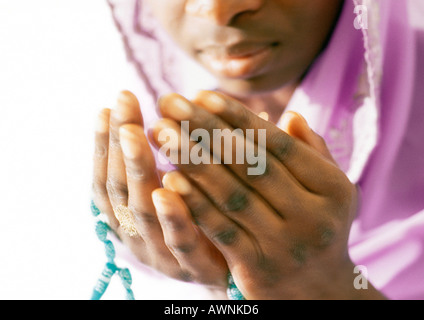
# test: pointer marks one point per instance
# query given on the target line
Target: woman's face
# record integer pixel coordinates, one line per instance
(251, 46)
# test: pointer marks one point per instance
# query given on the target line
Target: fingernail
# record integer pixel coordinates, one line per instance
(264, 115)
(127, 108)
(165, 132)
(303, 121)
(129, 141)
(127, 98)
(176, 182)
(176, 107)
(212, 101)
(289, 118)
(162, 205)
(102, 122)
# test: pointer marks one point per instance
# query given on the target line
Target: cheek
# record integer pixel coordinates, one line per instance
(170, 14)
(319, 17)
(309, 16)
(310, 23)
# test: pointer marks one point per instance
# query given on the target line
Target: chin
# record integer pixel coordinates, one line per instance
(255, 86)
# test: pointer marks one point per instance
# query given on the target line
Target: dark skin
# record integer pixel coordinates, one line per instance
(283, 235)
(296, 31)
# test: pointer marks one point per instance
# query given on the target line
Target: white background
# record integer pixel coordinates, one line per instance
(60, 63)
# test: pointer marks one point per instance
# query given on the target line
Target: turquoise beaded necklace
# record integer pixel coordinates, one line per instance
(110, 269)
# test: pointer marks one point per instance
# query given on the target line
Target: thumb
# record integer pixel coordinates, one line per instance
(296, 126)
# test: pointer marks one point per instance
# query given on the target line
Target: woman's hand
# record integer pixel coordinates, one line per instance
(284, 233)
(159, 231)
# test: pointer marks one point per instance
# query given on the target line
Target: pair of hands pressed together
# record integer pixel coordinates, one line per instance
(282, 235)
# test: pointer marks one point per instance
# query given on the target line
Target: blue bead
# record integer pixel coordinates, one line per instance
(110, 250)
(126, 278)
(130, 295)
(94, 210)
(233, 292)
(104, 280)
(101, 230)
(110, 269)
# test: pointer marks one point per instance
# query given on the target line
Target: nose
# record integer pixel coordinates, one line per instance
(221, 12)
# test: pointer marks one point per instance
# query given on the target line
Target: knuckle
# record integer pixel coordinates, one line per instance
(271, 270)
(236, 202)
(185, 276)
(264, 177)
(101, 151)
(282, 145)
(173, 223)
(343, 195)
(99, 188)
(324, 234)
(139, 173)
(116, 189)
(322, 228)
(298, 251)
(227, 236)
(143, 217)
(180, 247)
(198, 209)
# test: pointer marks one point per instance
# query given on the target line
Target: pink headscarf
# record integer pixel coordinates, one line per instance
(362, 96)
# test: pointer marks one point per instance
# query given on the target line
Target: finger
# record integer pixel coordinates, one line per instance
(257, 167)
(234, 243)
(314, 172)
(230, 196)
(202, 261)
(142, 179)
(296, 126)
(127, 111)
(100, 159)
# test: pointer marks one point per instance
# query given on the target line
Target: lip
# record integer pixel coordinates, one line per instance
(240, 61)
